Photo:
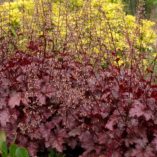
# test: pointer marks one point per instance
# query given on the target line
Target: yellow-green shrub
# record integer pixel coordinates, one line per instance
(94, 26)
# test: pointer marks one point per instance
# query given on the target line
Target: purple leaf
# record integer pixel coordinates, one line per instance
(14, 99)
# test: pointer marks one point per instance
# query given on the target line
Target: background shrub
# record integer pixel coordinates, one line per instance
(95, 26)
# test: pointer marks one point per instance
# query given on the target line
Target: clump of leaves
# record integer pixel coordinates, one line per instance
(56, 101)
(13, 150)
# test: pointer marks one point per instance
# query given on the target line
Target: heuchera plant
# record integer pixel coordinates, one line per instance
(58, 102)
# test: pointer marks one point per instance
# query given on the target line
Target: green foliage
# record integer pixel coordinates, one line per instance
(53, 153)
(3, 148)
(21, 152)
(131, 6)
(149, 5)
(13, 150)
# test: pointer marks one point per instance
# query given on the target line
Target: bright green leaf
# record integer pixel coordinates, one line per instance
(21, 152)
(12, 150)
(3, 148)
